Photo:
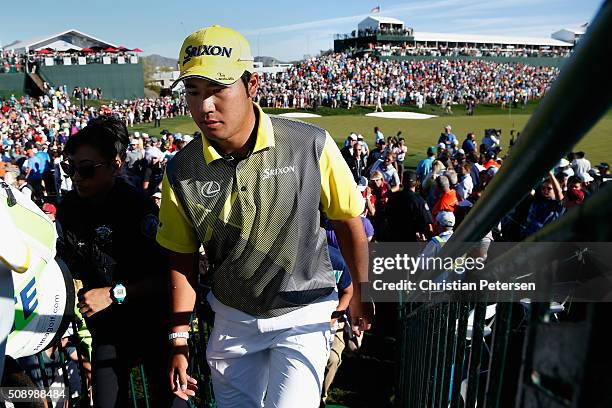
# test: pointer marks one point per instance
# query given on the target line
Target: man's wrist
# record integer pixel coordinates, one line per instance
(178, 338)
(179, 342)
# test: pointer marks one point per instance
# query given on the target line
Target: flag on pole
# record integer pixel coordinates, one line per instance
(584, 25)
(375, 10)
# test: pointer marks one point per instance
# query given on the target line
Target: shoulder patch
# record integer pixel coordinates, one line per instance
(148, 225)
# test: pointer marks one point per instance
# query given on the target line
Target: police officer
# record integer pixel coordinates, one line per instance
(108, 240)
(408, 215)
(443, 228)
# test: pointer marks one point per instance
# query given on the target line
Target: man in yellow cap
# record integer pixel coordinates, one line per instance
(250, 190)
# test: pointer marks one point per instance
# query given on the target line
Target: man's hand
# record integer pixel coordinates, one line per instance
(362, 313)
(94, 301)
(181, 384)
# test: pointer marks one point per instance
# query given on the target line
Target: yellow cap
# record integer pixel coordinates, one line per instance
(215, 53)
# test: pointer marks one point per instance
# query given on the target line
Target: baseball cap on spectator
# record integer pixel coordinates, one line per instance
(187, 139)
(49, 208)
(359, 136)
(178, 136)
(431, 150)
(136, 135)
(441, 146)
(445, 219)
(157, 194)
(458, 156)
(409, 176)
(164, 132)
(563, 163)
(215, 53)
(353, 136)
(362, 184)
(380, 141)
(603, 166)
(153, 152)
(447, 127)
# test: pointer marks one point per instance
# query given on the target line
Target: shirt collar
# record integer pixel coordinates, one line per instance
(265, 137)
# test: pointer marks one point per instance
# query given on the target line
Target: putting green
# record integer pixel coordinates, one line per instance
(419, 134)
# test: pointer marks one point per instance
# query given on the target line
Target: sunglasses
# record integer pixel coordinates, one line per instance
(86, 171)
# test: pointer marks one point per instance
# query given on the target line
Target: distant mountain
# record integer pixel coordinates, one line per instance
(268, 61)
(159, 61)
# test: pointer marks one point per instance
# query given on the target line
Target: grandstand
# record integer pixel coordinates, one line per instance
(390, 38)
(74, 59)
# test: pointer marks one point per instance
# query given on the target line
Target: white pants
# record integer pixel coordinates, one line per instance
(269, 362)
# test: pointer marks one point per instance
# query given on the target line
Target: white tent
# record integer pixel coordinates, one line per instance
(377, 23)
(60, 45)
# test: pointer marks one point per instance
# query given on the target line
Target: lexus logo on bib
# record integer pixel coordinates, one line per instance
(210, 189)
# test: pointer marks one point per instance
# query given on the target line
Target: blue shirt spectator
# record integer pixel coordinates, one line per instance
(469, 144)
(424, 166)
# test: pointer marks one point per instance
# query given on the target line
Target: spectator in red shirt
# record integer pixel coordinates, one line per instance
(448, 197)
(490, 161)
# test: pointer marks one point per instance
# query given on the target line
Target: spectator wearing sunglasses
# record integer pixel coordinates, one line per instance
(108, 241)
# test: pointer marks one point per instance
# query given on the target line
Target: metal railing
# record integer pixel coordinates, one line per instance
(455, 354)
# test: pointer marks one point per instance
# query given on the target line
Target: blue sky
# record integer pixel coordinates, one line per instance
(286, 30)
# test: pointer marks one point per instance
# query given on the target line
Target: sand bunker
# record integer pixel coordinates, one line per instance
(401, 115)
(299, 115)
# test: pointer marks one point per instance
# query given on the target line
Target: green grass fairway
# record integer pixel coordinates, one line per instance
(422, 133)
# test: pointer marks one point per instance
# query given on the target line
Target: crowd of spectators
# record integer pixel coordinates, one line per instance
(423, 205)
(451, 179)
(33, 132)
(337, 80)
(11, 62)
(468, 51)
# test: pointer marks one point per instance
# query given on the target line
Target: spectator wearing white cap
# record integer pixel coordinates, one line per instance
(349, 144)
(135, 162)
(441, 149)
(366, 148)
(443, 227)
(154, 171)
(587, 183)
(564, 166)
(157, 197)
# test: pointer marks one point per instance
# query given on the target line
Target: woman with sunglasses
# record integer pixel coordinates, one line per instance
(108, 241)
